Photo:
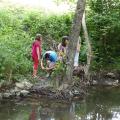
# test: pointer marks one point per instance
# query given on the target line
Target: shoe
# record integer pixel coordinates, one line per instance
(35, 76)
(48, 75)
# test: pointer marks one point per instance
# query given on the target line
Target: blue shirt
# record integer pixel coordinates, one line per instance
(53, 56)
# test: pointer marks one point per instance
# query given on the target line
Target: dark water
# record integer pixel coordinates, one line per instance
(100, 104)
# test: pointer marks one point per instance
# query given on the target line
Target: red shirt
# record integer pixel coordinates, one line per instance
(36, 44)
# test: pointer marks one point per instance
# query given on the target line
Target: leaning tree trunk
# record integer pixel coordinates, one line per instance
(75, 31)
(89, 49)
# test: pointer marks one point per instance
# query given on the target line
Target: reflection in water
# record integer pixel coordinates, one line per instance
(33, 114)
(53, 112)
(101, 104)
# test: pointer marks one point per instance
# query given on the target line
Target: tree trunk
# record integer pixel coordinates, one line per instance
(89, 49)
(75, 31)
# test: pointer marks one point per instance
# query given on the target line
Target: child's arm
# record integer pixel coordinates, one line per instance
(49, 68)
(59, 50)
(42, 64)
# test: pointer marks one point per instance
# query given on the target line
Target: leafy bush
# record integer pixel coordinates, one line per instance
(103, 25)
(17, 31)
(18, 28)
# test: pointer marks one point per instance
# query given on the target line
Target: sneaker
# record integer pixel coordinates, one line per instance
(48, 75)
(34, 76)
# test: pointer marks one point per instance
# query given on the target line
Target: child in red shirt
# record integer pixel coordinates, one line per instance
(36, 53)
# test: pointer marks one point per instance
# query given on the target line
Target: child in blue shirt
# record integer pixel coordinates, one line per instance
(50, 57)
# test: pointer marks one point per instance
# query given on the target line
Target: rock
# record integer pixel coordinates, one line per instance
(24, 85)
(111, 83)
(115, 82)
(27, 85)
(76, 92)
(63, 86)
(18, 94)
(108, 83)
(16, 89)
(0, 96)
(20, 85)
(12, 91)
(24, 93)
(95, 82)
(6, 95)
(71, 94)
(111, 75)
(7, 91)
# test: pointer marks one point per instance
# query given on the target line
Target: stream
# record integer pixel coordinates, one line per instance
(101, 103)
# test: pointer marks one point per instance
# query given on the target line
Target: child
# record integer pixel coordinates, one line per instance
(36, 53)
(62, 48)
(50, 58)
(76, 59)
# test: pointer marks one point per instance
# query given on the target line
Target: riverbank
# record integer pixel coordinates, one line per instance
(46, 88)
(105, 78)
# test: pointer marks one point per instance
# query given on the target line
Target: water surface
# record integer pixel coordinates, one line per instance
(100, 104)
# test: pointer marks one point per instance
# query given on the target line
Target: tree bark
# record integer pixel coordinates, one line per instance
(75, 31)
(89, 49)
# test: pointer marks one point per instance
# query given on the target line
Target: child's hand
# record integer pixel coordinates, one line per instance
(47, 69)
(42, 68)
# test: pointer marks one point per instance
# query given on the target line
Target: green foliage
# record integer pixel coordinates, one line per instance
(59, 69)
(17, 31)
(104, 26)
(83, 51)
(54, 25)
(19, 27)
